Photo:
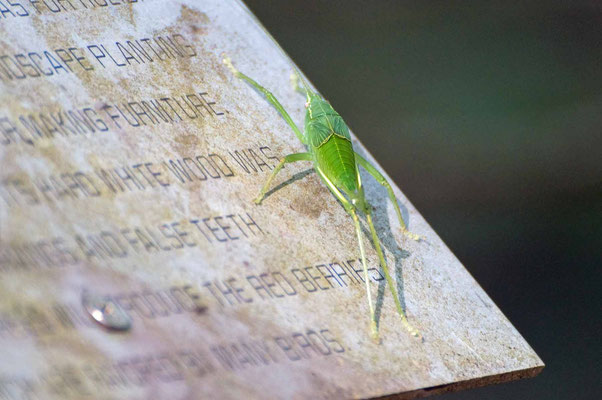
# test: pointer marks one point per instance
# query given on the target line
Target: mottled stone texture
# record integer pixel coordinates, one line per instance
(228, 299)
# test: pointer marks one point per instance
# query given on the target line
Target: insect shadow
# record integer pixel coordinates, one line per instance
(296, 177)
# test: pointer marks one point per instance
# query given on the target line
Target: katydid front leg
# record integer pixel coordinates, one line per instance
(269, 97)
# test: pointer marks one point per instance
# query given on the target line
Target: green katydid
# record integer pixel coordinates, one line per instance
(329, 148)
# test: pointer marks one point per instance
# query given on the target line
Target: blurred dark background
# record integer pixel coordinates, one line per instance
(488, 115)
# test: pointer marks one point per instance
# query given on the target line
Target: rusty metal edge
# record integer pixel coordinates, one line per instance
(466, 384)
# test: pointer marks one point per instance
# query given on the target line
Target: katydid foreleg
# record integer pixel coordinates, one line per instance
(269, 97)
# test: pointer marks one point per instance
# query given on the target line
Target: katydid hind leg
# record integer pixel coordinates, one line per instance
(390, 283)
(358, 231)
(284, 160)
(383, 181)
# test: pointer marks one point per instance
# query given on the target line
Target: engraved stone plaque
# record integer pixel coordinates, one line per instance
(133, 262)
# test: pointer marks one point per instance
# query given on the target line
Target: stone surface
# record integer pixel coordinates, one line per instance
(129, 159)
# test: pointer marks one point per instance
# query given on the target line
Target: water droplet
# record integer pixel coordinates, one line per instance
(106, 312)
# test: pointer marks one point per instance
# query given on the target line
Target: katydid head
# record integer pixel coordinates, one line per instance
(312, 99)
(301, 86)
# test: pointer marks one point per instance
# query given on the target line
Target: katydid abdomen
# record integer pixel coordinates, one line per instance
(335, 157)
(329, 140)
